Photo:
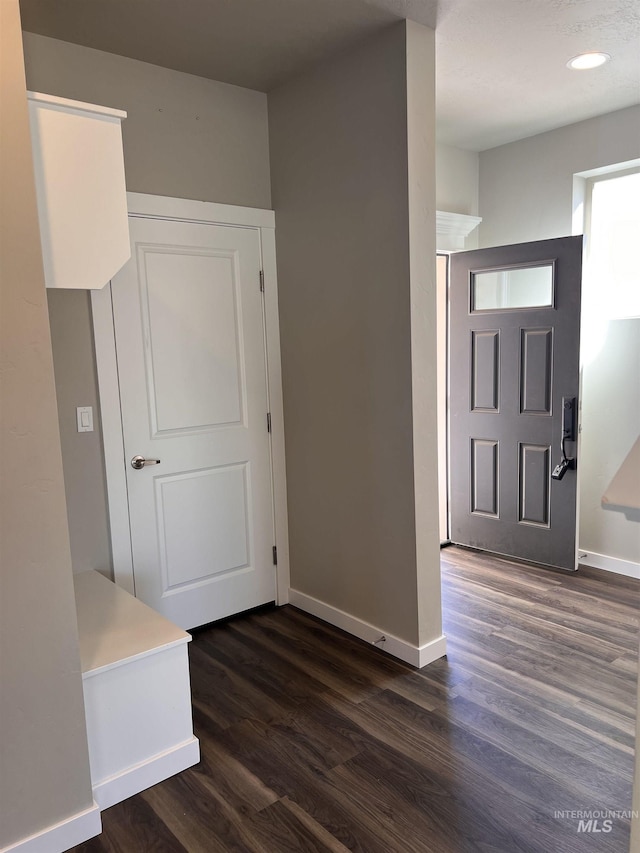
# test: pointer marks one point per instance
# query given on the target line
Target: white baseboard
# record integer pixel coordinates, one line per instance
(417, 656)
(431, 651)
(609, 564)
(142, 776)
(61, 836)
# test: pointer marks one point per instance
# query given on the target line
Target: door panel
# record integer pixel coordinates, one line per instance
(536, 377)
(484, 478)
(188, 319)
(515, 320)
(485, 371)
(193, 372)
(534, 479)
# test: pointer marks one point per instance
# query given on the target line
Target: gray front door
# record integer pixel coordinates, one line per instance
(514, 367)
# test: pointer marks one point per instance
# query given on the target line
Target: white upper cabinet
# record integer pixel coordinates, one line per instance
(82, 201)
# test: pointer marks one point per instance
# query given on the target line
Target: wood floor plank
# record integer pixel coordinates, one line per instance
(314, 741)
(330, 639)
(602, 723)
(502, 605)
(200, 818)
(569, 675)
(258, 668)
(332, 670)
(542, 624)
(502, 576)
(482, 780)
(285, 827)
(567, 730)
(276, 762)
(323, 835)
(456, 816)
(428, 738)
(132, 825)
(232, 780)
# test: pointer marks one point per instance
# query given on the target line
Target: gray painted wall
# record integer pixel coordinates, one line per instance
(421, 185)
(184, 136)
(526, 187)
(457, 187)
(340, 162)
(43, 743)
(82, 453)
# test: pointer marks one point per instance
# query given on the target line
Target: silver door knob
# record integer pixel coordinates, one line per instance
(139, 462)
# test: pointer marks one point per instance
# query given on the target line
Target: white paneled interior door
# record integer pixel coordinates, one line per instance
(189, 331)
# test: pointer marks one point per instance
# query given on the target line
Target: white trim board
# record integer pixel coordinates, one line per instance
(61, 836)
(417, 656)
(66, 104)
(608, 564)
(263, 221)
(132, 780)
(452, 229)
(162, 207)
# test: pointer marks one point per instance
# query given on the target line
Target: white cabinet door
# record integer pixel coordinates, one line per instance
(80, 186)
(189, 330)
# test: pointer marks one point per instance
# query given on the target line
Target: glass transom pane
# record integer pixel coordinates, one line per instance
(520, 287)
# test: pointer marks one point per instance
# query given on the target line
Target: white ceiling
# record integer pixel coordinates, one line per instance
(501, 66)
(501, 72)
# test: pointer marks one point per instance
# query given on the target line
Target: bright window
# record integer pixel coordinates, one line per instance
(611, 280)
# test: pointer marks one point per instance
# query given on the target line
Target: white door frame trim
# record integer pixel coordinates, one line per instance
(159, 207)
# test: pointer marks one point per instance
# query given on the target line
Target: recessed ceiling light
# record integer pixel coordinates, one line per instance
(584, 61)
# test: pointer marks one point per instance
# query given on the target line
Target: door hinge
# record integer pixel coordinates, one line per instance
(261, 281)
(268, 421)
(275, 556)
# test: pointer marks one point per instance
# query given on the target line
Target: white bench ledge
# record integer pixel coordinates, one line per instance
(115, 628)
(135, 677)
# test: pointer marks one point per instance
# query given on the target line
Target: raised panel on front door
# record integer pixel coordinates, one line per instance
(485, 371)
(534, 478)
(536, 371)
(191, 315)
(484, 477)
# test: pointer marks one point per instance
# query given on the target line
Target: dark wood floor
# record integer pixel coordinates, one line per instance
(313, 741)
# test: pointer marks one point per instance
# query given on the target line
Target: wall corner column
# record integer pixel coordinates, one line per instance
(422, 272)
(45, 784)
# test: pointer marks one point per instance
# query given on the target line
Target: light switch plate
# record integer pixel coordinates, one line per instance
(84, 416)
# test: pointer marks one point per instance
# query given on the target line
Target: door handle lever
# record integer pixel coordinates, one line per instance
(568, 434)
(569, 418)
(139, 462)
(562, 467)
